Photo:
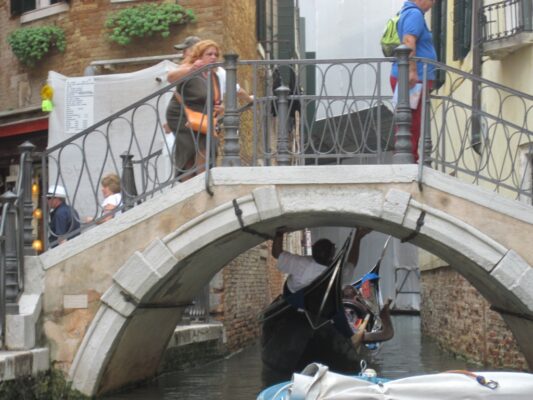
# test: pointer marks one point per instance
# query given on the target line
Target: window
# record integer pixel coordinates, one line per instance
(21, 6)
(30, 10)
(462, 28)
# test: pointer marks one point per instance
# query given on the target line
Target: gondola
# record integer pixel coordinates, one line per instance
(315, 325)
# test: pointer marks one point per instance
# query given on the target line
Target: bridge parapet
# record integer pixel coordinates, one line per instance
(348, 117)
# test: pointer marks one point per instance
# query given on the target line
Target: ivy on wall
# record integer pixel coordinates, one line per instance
(146, 20)
(31, 44)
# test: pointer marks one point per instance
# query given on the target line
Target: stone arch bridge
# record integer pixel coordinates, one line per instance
(139, 270)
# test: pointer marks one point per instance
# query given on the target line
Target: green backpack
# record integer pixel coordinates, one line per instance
(390, 39)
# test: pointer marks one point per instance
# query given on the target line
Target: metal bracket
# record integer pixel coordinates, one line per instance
(419, 224)
(238, 213)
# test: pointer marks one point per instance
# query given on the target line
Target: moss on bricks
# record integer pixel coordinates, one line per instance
(49, 385)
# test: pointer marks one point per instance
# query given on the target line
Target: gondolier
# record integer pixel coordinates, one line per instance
(308, 323)
(302, 270)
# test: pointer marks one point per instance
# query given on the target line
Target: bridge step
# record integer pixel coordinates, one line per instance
(18, 364)
(20, 327)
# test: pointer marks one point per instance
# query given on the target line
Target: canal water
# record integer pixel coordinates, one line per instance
(241, 376)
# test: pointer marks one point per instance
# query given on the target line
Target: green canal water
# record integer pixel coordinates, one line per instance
(241, 376)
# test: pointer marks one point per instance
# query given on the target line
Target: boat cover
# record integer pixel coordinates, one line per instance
(316, 382)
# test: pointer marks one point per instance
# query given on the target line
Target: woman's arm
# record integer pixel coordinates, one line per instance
(107, 213)
(410, 41)
(179, 72)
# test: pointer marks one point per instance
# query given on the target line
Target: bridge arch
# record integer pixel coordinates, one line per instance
(152, 287)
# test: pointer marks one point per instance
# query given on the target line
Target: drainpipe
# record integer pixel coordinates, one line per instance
(477, 53)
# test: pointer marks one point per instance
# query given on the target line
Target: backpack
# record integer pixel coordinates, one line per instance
(390, 39)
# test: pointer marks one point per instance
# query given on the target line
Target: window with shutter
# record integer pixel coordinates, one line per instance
(462, 28)
(261, 21)
(15, 7)
(438, 27)
(31, 10)
(21, 6)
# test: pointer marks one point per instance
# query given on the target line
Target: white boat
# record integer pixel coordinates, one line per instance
(316, 382)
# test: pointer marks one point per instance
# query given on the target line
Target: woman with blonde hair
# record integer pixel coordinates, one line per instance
(190, 145)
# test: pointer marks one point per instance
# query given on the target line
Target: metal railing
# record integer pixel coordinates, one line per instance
(305, 112)
(347, 118)
(505, 19)
(15, 238)
(491, 145)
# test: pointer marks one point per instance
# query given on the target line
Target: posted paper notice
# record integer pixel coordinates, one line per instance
(79, 104)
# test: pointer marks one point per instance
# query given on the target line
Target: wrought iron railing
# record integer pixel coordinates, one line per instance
(504, 19)
(491, 145)
(15, 238)
(346, 116)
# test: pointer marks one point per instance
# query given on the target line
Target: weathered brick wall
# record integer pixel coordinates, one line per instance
(232, 25)
(459, 318)
(249, 283)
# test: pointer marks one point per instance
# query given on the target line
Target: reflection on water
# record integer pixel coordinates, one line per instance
(241, 377)
(409, 353)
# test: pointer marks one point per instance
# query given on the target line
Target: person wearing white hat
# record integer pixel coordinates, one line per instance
(64, 219)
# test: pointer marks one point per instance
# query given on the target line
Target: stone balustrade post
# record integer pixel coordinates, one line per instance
(282, 93)
(231, 156)
(403, 153)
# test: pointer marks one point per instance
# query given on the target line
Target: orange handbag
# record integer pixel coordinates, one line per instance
(197, 120)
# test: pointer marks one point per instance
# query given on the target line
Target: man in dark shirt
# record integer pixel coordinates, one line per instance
(64, 220)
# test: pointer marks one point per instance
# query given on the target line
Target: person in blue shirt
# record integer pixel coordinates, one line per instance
(414, 33)
(64, 219)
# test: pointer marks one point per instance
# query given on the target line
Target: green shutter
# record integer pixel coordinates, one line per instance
(261, 22)
(438, 27)
(457, 27)
(467, 31)
(462, 28)
(16, 7)
(286, 39)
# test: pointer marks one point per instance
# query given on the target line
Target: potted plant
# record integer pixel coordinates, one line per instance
(31, 44)
(146, 20)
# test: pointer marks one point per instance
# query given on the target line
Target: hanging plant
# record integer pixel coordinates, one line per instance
(32, 43)
(146, 20)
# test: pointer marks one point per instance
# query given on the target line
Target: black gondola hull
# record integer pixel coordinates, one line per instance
(289, 344)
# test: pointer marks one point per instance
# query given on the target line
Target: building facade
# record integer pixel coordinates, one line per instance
(490, 39)
(248, 28)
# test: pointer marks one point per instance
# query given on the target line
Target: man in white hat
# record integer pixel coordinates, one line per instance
(64, 219)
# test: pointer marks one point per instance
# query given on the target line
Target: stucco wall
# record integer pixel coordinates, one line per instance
(459, 318)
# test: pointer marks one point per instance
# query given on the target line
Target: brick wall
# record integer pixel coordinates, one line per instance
(230, 23)
(459, 318)
(241, 291)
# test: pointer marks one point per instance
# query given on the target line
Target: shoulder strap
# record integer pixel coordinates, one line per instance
(216, 91)
(216, 88)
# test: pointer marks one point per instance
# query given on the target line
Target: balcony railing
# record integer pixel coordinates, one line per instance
(505, 19)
